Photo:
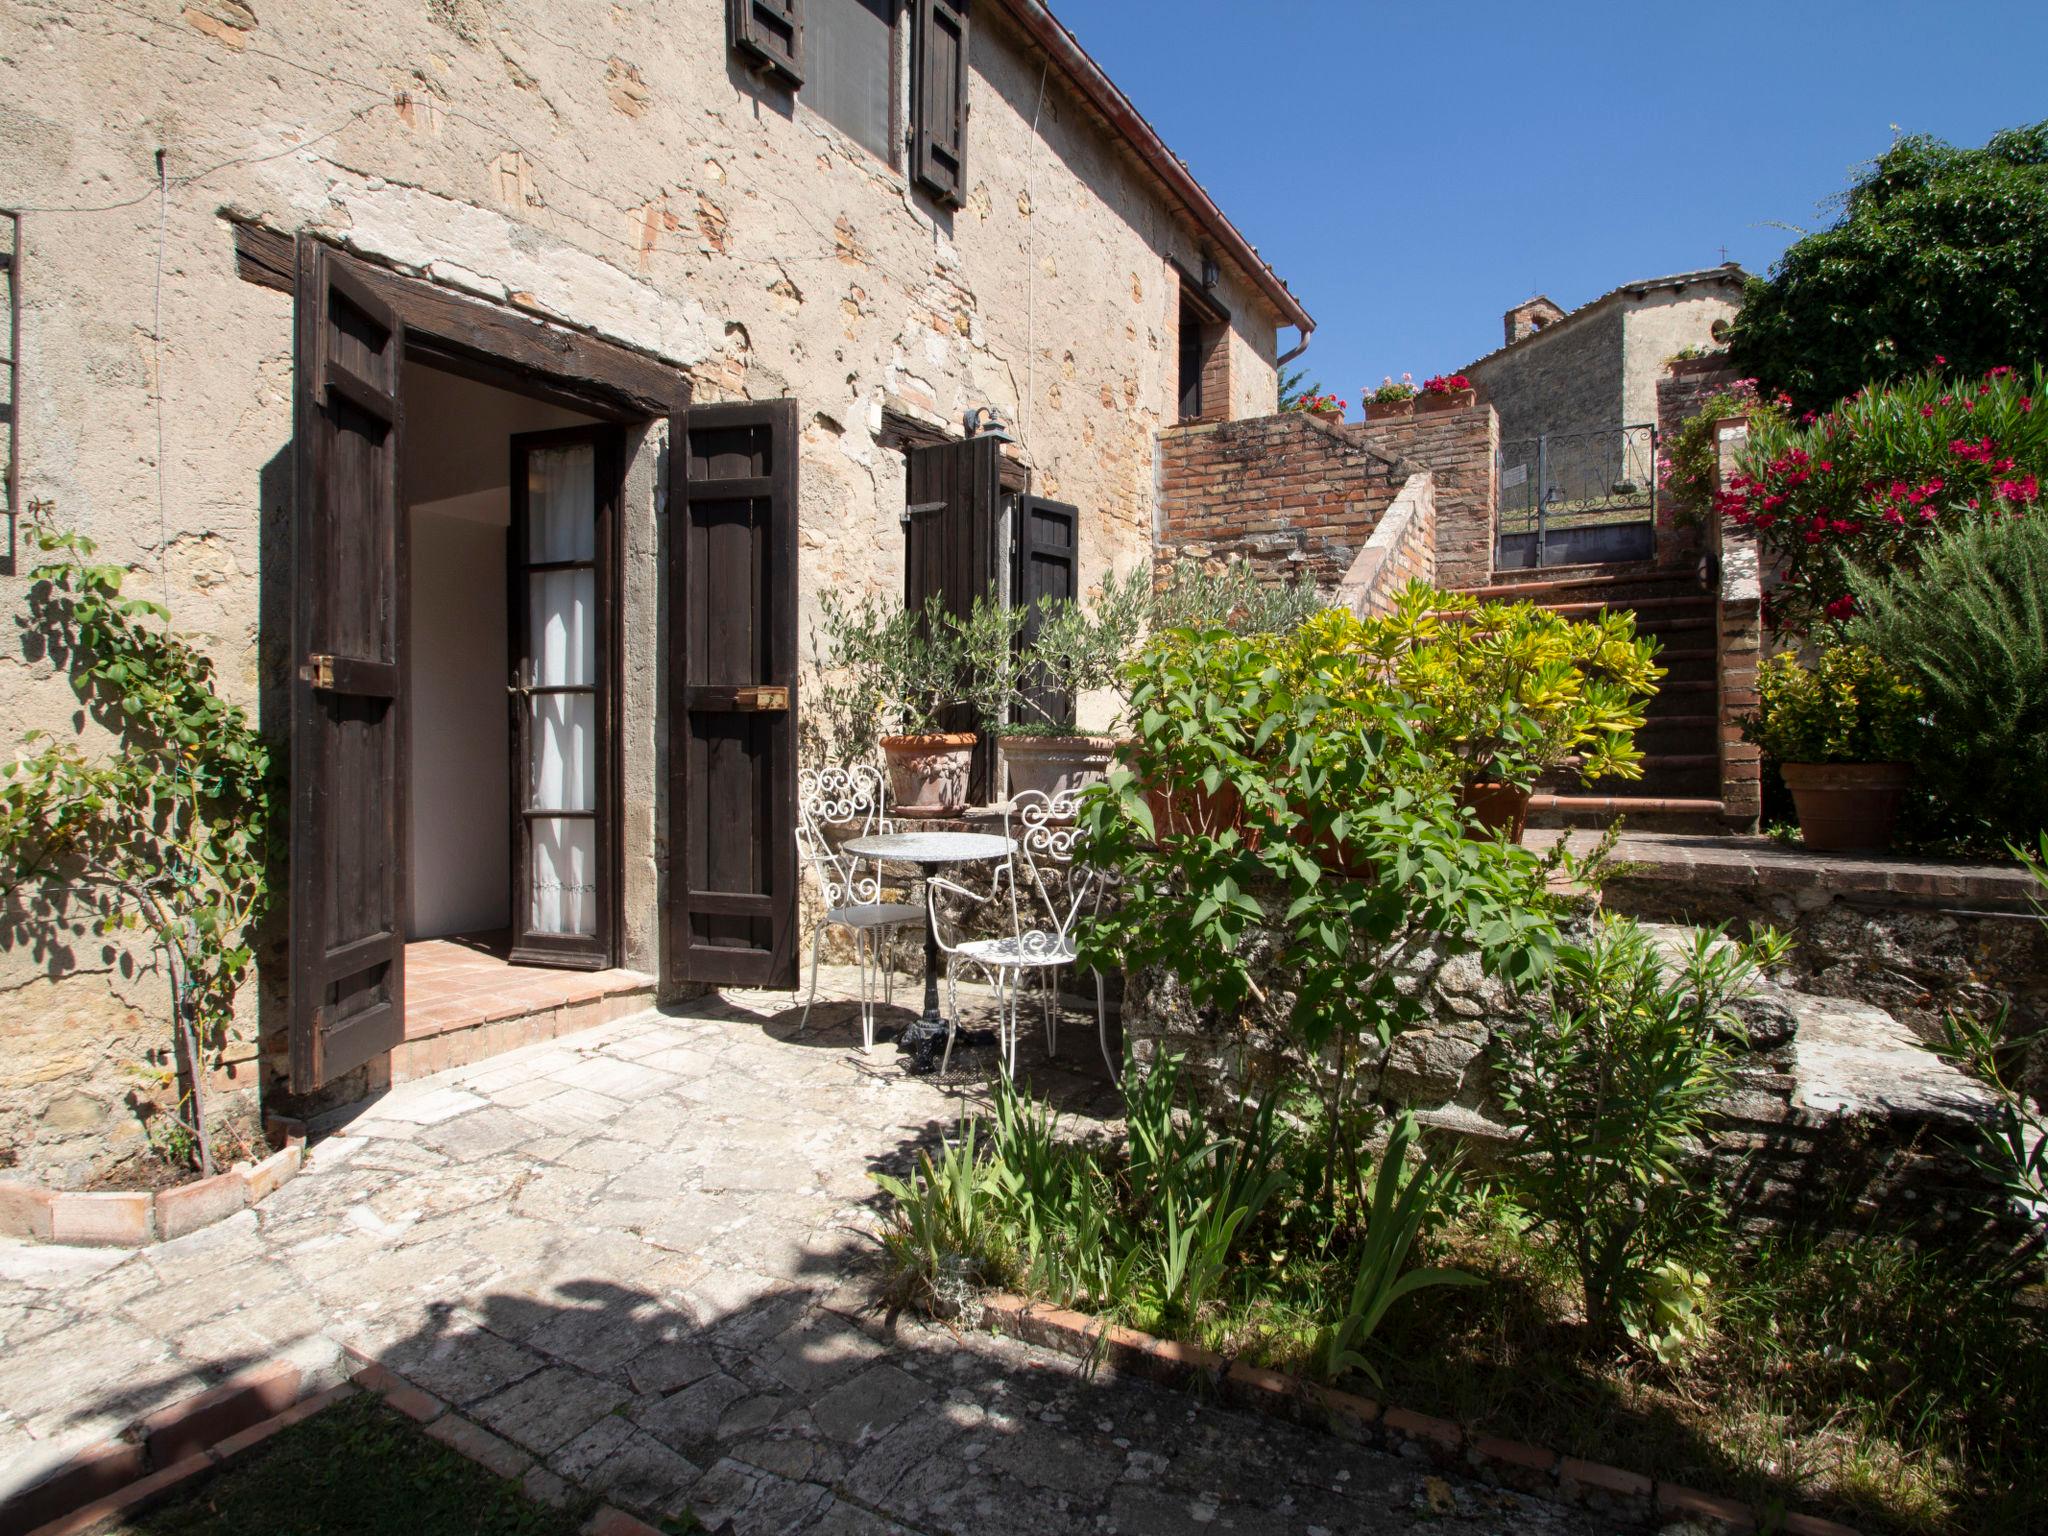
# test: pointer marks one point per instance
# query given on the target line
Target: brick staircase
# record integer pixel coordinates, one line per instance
(1680, 790)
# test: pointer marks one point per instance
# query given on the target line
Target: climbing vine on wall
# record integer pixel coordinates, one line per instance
(170, 831)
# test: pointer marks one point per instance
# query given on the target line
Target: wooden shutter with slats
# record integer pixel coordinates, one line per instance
(955, 495)
(938, 99)
(770, 33)
(348, 750)
(732, 553)
(1042, 571)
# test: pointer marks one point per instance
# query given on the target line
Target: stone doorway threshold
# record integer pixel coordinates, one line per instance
(464, 1001)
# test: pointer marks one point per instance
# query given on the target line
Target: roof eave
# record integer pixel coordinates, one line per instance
(1102, 93)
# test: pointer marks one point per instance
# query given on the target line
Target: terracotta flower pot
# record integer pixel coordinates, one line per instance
(1051, 764)
(1844, 807)
(928, 774)
(1450, 400)
(1502, 810)
(1334, 418)
(1387, 410)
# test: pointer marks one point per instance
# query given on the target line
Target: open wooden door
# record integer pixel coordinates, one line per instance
(348, 754)
(732, 726)
(563, 603)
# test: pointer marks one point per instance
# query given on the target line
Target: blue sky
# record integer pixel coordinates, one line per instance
(1413, 169)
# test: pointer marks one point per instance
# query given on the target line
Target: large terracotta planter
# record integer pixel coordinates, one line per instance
(928, 774)
(1451, 400)
(1052, 764)
(1333, 418)
(1387, 410)
(1502, 810)
(1846, 807)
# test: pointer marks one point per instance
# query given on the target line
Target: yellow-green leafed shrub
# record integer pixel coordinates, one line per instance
(1506, 691)
(1851, 706)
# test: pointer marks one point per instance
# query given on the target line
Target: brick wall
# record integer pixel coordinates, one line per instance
(1292, 495)
(1461, 450)
(1685, 387)
(1298, 497)
(1402, 549)
(1739, 638)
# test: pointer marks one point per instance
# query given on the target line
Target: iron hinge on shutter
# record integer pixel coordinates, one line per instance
(921, 509)
(319, 671)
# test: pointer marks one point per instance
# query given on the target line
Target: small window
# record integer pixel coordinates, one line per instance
(851, 69)
(1191, 355)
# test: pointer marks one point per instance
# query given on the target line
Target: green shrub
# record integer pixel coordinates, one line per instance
(1609, 1094)
(1852, 706)
(1969, 627)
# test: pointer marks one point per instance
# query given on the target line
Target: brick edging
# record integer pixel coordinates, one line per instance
(137, 1218)
(1528, 1469)
(123, 1477)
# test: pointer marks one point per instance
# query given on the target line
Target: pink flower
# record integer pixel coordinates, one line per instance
(1842, 606)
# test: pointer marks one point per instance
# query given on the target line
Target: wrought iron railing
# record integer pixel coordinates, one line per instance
(1569, 498)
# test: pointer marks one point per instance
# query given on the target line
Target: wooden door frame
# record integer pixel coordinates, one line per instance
(608, 561)
(495, 345)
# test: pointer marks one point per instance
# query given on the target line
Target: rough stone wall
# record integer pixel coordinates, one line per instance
(1566, 378)
(1402, 549)
(617, 172)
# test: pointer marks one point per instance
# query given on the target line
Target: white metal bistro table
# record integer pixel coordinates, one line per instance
(930, 851)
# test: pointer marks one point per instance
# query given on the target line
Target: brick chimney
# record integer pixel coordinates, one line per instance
(1529, 317)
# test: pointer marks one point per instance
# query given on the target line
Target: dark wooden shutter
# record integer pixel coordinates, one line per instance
(938, 99)
(770, 33)
(950, 549)
(348, 753)
(732, 734)
(1042, 571)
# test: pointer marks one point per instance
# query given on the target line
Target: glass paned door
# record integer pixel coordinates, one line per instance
(564, 505)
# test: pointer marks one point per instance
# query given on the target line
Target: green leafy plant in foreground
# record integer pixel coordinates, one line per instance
(1851, 706)
(170, 831)
(1609, 1094)
(1403, 1204)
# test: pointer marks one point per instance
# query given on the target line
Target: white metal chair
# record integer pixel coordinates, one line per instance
(851, 888)
(1043, 828)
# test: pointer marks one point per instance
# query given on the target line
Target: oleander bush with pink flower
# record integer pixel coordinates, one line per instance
(1879, 476)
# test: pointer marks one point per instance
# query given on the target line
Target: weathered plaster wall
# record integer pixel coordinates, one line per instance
(611, 168)
(1660, 324)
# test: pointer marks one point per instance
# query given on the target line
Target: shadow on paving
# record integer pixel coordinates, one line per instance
(713, 1345)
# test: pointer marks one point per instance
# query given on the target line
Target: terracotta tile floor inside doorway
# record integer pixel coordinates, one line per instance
(465, 980)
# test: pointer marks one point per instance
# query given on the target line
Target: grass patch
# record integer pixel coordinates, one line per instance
(358, 1469)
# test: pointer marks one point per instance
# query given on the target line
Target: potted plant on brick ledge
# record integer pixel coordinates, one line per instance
(887, 675)
(1842, 732)
(1513, 691)
(1323, 407)
(1392, 398)
(1445, 392)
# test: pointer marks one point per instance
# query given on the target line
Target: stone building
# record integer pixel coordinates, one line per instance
(427, 349)
(1595, 368)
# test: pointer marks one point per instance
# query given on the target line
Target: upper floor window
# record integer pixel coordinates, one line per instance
(852, 72)
(840, 57)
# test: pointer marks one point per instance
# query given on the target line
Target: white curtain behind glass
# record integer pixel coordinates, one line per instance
(562, 613)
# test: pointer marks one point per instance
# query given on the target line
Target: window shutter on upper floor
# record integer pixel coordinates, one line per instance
(770, 33)
(938, 102)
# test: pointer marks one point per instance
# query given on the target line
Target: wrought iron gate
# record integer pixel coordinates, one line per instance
(1577, 498)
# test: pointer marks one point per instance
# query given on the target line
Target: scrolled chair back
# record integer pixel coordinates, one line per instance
(843, 794)
(1045, 828)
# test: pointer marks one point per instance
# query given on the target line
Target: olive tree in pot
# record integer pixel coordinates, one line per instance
(1842, 732)
(886, 675)
(1030, 689)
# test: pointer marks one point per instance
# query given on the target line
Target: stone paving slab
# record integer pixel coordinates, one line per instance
(644, 1256)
